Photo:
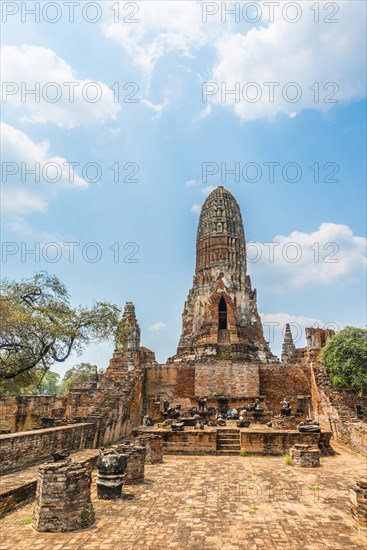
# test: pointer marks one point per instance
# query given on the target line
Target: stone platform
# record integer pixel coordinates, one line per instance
(230, 440)
(215, 503)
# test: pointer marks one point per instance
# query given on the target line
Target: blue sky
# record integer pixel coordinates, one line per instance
(169, 56)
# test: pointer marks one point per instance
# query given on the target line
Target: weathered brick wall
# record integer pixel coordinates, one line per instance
(23, 412)
(234, 379)
(17, 451)
(169, 380)
(188, 442)
(335, 410)
(185, 382)
(278, 382)
(275, 443)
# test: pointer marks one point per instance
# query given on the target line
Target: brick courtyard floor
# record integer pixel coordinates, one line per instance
(210, 503)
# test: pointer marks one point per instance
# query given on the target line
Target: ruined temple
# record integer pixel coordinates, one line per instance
(222, 358)
(220, 318)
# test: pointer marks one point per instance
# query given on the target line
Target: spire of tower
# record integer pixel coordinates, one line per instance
(220, 316)
(288, 347)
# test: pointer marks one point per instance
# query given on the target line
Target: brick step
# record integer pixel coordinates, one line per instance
(228, 436)
(229, 448)
(228, 441)
(229, 431)
(224, 453)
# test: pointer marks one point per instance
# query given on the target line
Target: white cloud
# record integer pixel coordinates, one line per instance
(191, 183)
(157, 327)
(207, 190)
(19, 202)
(196, 208)
(302, 52)
(157, 108)
(22, 192)
(18, 148)
(163, 27)
(332, 253)
(274, 327)
(29, 66)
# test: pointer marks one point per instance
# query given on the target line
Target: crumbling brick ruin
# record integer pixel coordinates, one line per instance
(222, 354)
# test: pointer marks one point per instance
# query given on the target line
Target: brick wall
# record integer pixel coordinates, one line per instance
(188, 442)
(17, 451)
(236, 380)
(275, 443)
(278, 382)
(168, 380)
(23, 412)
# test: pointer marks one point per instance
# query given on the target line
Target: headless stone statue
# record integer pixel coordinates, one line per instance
(286, 408)
(148, 421)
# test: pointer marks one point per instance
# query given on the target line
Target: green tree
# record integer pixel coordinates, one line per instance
(32, 382)
(345, 359)
(39, 327)
(77, 375)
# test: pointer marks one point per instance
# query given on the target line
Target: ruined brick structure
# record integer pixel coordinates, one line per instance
(222, 354)
(288, 348)
(63, 499)
(220, 317)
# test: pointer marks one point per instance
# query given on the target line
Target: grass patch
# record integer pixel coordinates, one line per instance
(243, 452)
(287, 459)
(314, 487)
(254, 508)
(25, 521)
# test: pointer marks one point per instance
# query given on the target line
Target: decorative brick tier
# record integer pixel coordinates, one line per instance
(153, 447)
(135, 462)
(358, 503)
(305, 456)
(63, 499)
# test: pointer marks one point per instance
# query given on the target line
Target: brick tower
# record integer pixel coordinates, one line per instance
(220, 318)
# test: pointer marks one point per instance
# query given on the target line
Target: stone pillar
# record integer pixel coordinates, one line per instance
(358, 503)
(63, 501)
(135, 462)
(305, 456)
(153, 447)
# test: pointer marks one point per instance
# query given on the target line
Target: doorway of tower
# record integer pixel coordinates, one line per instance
(222, 314)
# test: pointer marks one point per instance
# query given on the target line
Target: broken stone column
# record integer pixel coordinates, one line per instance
(305, 456)
(153, 447)
(111, 472)
(358, 504)
(135, 462)
(63, 501)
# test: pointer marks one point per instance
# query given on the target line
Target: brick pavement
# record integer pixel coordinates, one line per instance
(212, 503)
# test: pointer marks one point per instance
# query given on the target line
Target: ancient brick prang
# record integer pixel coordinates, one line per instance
(316, 339)
(220, 317)
(128, 354)
(288, 348)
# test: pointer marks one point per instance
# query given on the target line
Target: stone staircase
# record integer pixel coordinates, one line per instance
(228, 442)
